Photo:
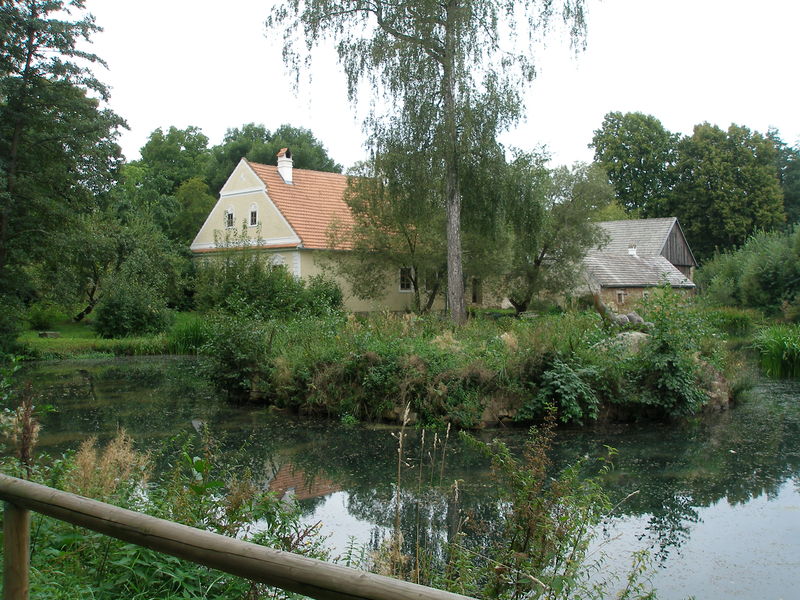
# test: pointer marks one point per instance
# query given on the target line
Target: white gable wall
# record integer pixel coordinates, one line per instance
(243, 191)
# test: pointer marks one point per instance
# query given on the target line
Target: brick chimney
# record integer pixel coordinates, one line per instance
(285, 165)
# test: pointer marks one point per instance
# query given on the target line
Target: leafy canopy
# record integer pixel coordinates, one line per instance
(451, 72)
(638, 154)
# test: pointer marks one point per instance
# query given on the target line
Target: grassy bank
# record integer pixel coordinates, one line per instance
(486, 371)
(490, 370)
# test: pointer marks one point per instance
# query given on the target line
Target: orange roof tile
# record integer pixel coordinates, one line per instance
(310, 204)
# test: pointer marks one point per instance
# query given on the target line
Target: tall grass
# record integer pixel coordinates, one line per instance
(779, 347)
(188, 334)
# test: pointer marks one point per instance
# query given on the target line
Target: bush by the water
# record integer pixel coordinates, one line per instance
(131, 308)
(371, 368)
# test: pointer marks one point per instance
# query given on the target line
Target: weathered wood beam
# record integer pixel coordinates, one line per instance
(16, 551)
(292, 572)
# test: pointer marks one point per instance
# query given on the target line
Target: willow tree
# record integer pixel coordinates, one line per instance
(448, 64)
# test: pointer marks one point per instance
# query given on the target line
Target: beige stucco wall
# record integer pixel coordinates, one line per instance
(394, 300)
(631, 297)
(242, 191)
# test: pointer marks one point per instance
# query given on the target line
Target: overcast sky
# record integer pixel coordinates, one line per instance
(210, 64)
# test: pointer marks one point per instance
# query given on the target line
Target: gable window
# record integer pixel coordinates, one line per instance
(253, 215)
(229, 218)
(406, 281)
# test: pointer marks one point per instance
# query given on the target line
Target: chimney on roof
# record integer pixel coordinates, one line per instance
(285, 163)
(632, 250)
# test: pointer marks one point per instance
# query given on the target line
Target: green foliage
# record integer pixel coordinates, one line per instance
(372, 368)
(188, 334)
(727, 188)
(58, 151)
(566, 389)
(764, 273)
(638, 154)
(541, 544)
(243, 283)
(237, 351)
(69, 562)
(258, 144)
(550, 217)
(43, 315)
(779, 349)
(194, 201)
(665, 371)
(733, 321)
(130, 308)
(10, 323)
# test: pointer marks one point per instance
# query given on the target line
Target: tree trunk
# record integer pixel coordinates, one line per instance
(455, 271)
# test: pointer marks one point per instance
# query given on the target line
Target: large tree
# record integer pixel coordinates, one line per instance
(638, 154)
(727, 187)
(455, 61)
(396, 226)
(258, 144)
(551, 220)
(788, 165)
(57, 144)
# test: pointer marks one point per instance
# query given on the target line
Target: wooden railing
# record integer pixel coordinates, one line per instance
(288, 571)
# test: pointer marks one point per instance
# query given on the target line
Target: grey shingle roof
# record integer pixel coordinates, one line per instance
(622, 270)
(649, 236)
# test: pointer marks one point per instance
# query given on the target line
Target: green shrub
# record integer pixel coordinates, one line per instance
(244, 283)
(764, 273)
(44, 315)
(129, 309)
(664, 374)
(322, 295)
(567, 389)
(237, 350)
(10, 324)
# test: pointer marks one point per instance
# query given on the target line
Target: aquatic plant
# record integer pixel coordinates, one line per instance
(779, 349)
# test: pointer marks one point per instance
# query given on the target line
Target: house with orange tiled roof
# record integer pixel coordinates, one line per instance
(286, 214)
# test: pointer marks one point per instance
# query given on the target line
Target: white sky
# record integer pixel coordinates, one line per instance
(209, 64)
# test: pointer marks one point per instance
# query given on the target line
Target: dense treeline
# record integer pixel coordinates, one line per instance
(723, 185)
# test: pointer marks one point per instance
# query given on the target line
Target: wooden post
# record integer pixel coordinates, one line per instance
(16, 552)
(292, 572)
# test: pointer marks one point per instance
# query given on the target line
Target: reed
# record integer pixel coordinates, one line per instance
(779, 349)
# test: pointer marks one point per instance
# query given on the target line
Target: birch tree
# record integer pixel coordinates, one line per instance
(456, 67)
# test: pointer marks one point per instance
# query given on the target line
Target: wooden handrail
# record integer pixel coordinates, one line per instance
(291, 572)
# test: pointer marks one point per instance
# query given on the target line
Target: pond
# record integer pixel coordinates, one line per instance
(716, 500)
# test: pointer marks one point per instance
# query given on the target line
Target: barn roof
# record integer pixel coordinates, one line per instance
(648, 235)
(623, 270)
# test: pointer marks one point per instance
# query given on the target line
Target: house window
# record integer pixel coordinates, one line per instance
(229, 218)
(620, 297)
(253, 215)
(406, 281)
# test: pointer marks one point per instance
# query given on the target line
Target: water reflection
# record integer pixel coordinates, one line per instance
(686, 475)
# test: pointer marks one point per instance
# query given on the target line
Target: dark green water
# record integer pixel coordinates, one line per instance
(717, 500)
